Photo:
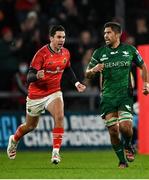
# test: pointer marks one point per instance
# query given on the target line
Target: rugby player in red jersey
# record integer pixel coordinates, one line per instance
(44, 91)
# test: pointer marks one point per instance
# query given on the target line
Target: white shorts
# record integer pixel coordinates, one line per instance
(34, 107)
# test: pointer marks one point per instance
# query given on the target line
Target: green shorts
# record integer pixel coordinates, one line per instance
(115, 104)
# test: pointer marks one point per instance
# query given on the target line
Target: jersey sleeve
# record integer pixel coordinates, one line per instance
(37, 61)
(137, 59)
(94, 60)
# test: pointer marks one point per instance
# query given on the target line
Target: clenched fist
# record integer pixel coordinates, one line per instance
(40, 74)
(80, 87)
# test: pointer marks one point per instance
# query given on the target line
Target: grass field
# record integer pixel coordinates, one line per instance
(75, 165)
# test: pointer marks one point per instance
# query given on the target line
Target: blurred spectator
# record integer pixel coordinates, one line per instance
(9, 62)
(85, 50)
(85, 47)
(68, 16)
(130, 40)
(19, 84)
(7, 13)
(124, 35)
(22, 7)
(86, 44)
(30, 33)
(142, 31)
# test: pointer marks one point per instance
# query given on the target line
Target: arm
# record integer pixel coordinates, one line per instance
(94, 65)
(144, 72)
(100, 81)
(33, 75)
(69, 72)
(145, 78)
(91, 72)
(35, 71)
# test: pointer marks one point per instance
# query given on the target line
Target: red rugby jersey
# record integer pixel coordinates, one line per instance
(53, 65)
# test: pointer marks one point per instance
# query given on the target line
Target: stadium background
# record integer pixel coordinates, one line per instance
(24, 26)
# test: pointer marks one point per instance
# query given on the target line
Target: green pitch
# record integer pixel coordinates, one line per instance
(74, 165)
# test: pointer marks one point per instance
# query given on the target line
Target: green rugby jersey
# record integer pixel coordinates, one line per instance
(117, 68)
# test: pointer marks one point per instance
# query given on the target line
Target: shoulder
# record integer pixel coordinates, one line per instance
(40, 54)
(128, 46)
(65, 51)
(102, 48)
(99, 51)
(43, 49)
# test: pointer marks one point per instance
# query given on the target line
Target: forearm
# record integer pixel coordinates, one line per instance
(89, 73)
(71, 75)
(145, 75)
(145, 78)
(32, 76)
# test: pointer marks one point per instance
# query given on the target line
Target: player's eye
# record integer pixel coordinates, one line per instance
(61, 37)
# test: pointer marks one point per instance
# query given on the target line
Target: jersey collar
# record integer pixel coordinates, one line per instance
(52, 51)
(114, 48)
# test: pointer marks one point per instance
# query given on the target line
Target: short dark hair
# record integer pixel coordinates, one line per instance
(115, 26)
(54, 28)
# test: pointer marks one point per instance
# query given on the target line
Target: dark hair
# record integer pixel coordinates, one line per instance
(116, 27)
(53, 29)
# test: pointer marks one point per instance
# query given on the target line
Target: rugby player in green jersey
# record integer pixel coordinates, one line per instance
(114, 61)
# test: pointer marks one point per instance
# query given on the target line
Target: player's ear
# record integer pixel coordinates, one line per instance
(51, 38)
(118, 35)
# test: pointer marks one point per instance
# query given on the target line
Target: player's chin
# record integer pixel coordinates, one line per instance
(60, 46)
(107, 42)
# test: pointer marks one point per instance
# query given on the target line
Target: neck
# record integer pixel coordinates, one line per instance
(56, 50)
(116, 44)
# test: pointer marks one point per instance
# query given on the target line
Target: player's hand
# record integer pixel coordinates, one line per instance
(80, 87)
(40, 74)
(98, 68)
(146, 89)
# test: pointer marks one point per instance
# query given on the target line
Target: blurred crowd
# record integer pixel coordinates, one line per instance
(24, 26)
